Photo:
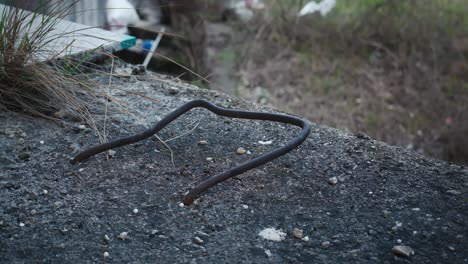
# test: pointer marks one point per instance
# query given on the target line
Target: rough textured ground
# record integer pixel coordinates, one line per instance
(383, 194)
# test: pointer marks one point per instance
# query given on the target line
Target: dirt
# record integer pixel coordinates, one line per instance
(384, 196)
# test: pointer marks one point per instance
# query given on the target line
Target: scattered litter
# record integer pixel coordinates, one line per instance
(272, 234)
(324, 7)
(269, 142)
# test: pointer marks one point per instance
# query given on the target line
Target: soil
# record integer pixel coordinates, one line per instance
(384, 196)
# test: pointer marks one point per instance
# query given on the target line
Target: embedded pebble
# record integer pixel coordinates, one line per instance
(398, 241)
(106, 254)
(209, 159)
(272, 234)
(451, 248)
(80, 169)
(333, 180)
(181, 205)
(241, 151)
(33, 212)
(248, 152)
(202, 142)
(297, 233)
(265, 142)
(21, 224)
(245, 206)
(106, 238)
(45, 192)
(268, 253)
(326, 244)
(111, 152)
(41, 142)
(198, 240)
(135, 211)
(82, 127)
(123, 235)
(403, 251)
(305, 239)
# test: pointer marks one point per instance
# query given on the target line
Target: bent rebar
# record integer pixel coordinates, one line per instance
(213, 180)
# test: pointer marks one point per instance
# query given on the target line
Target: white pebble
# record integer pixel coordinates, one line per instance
(272, 234)
(135, 211)
(106, 254)
(111, 152)
(297, 233)
(181, 205)
(41, 142)
(123, 235)
(268, 253)
(403, 251)
(398, 241)
(245, 206)
(209, 159)
(326, 244)
(265, 142)
(198, 240)
(82, 127)
(21, 224)
(45, 192)
(241, 151)
(248, 152)
(80, 169)
(306, 239)
(416, 209)
(333, 180)
(106, 237)
(202, 142)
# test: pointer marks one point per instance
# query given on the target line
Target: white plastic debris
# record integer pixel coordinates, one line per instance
(272, 234)
(324, 7)
(265, 142)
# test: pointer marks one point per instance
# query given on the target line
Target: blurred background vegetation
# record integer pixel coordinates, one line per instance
(396, 70)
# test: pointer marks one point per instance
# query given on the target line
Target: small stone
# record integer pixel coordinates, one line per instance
(123, 235)
(265, 142)
(106, 238)
(202, 142)
(209, 159)
(82, 127)
(326, 244)
(106, 254)
(297, 233)
(272, 234)
(416, 209)
(41, 142)
(173, 90)
(454, 192)
(33, 212)
(23, 134)
(241, 151)
(333, 180)
(111, 153)
(198, 240)
(306, 239)
(248, 152)
(268, 253)
(135, 211)
(21, 224)
(181, 205)
(451, 248)
(245, 206)
(398, 241)
(45, 192)
(403, 251)
(80, 169)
